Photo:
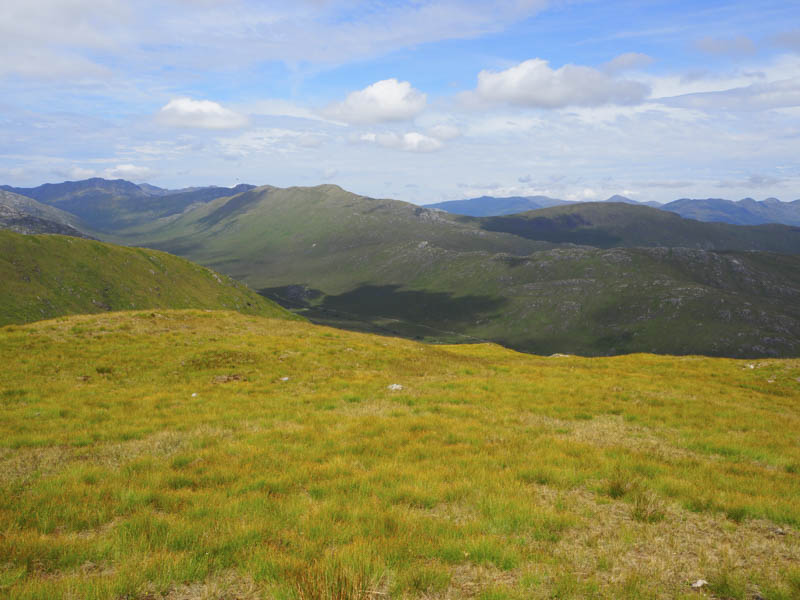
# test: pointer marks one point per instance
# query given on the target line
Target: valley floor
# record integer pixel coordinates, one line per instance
(197, 454)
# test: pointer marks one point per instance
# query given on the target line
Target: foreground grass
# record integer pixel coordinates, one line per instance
(193, 454)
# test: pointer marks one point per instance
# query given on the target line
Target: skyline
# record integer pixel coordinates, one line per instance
(421, 101)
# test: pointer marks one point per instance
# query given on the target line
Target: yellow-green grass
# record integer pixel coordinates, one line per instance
(165, 455)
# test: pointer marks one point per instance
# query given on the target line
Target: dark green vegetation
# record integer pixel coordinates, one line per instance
(186, 455)
(608, 225)
(45, 276)
(105, 206)
(391, 267)
(743, 212)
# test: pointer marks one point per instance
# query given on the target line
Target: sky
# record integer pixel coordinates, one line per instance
(417, 100)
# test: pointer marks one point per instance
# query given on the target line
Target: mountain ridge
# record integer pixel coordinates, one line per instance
(389, 266)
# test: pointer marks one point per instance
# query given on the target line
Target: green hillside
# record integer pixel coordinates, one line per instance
(191, 454)
(391, 267)
(45, 276)
(612, 224)
(322, 234)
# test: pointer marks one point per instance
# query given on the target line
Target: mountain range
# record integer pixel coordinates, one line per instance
(571, 279)
(105, 206)
(742, 212)
(588, 278)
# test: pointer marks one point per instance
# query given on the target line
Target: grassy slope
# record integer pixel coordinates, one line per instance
(324, 234)
(392, 267)
(611, 224)
(165, 456)
(46, 276)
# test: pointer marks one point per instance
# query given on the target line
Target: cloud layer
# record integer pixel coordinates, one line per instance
(200, 114)
(533, 83)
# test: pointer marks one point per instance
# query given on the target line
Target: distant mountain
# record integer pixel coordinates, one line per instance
(743, 212)
(624, 200)
(614, 224)
(49, 276)
(485, 206)
(523, 281)
(108, 206)
(25, 215)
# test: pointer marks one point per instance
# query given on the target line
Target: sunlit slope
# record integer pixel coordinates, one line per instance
(192, 454)
(322, 234)
(44, 276)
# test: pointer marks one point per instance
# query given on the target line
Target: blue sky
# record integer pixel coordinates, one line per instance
(422, 100)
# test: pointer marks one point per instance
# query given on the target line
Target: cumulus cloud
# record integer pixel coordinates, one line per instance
(199, 114)
(408, 142)
(128, 171)
(533, 83)
(626, 62)
(737, 46)
(387, 100)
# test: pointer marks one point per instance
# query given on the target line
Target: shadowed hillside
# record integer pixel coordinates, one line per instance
(608, 225)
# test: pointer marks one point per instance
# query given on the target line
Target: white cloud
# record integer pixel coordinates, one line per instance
(408, 142)
(199, 114)
(533, 83)
(128, 171)
(736, 46)
(444, 132)
(387, 100)
(79, 173)
(626, 62)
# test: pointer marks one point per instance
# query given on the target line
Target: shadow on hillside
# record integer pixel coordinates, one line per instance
(573, 229)
(370, 302)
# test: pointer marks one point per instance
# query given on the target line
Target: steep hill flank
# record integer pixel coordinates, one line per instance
(45, 276)
(26, 215)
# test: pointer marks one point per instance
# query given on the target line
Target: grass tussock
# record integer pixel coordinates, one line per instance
(215, 455)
